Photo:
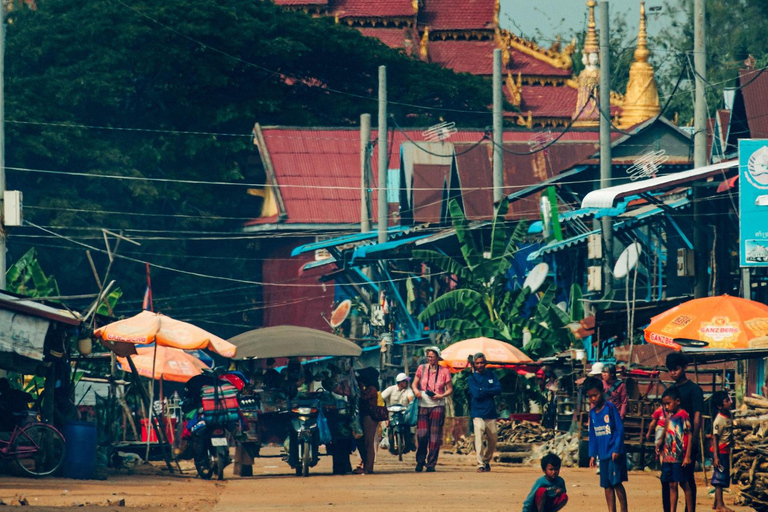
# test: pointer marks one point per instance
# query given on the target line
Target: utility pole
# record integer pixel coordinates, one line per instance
(605, 140)
(701, 265)
(365, 160)
(2, 147)
(382, 154)
(498, 130)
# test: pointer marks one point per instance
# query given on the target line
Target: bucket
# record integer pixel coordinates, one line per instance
(80, 458)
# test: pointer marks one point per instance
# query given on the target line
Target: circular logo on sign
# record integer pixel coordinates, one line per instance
(757, 168)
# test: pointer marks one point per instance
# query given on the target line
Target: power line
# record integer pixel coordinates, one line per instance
(125, 129)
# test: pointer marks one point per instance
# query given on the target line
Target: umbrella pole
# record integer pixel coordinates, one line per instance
(145, 398)
(701, 424)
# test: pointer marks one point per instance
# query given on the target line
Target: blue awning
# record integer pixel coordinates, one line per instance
(367, 250)
(629, 220)
(346, 239)
(538, 187)
(537, 227)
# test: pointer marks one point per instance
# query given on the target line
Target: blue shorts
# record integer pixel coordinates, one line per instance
(673, 472)
(613, 472)
(722, 478)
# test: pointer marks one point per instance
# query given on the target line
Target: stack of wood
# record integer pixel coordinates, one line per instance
(515, 440)
(750, 458)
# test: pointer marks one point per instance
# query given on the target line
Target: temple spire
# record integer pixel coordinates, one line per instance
(642, 99)
(587, 114)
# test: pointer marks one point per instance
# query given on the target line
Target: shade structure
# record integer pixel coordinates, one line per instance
(291, 341)
(497, 353)
(721, 323)
(171, 364)
(148, 327)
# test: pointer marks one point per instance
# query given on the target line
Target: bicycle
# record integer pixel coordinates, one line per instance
(37, 448)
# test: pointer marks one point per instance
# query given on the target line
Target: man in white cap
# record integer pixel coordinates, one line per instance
(398, 393)
(431, 385)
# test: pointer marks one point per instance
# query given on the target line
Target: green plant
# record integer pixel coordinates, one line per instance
(26, 277)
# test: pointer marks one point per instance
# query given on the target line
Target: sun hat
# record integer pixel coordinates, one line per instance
(401, 377)
(597, 369)
(435, 350)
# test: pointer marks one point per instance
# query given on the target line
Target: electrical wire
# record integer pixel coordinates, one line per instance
(451, 155)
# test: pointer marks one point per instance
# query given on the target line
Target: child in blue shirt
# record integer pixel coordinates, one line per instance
(606, 440)
(548, 492)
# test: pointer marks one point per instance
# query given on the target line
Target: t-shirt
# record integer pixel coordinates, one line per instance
(691, 401)
(722, 427)
(660, 417)
(432, 380)
(677, 438)
(606, 432)
(394, 395)
(616, 393)
(529, 503)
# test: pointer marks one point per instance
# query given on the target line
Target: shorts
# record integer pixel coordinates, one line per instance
(659, 432)
(722, 478)
(673, 472)
(613, 472)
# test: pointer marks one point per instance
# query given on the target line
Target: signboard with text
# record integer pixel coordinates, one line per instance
(753, 202)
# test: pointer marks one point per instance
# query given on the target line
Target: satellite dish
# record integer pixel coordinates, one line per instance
(536, 277)
(627, 260)
(340, 313)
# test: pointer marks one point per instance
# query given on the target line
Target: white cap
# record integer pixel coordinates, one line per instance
(597, 369)
(435, 350)
(401, 377)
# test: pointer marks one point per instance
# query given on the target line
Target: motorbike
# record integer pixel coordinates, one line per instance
(211, 445)
(304, 437)
(398, 430)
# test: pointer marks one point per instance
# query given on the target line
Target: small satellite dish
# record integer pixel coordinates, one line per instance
(536, 277)
(687, 342)
(340, 313)
(627, 260)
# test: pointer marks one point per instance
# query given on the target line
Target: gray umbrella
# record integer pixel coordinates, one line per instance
(290, 341)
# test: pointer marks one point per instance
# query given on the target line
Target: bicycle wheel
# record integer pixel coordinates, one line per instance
(38, 449)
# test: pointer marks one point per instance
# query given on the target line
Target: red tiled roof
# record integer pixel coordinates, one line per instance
(474, 57)
(318, 170)
(549, 101)
(520, 62)
(372, 8)
(299, 3)
(457, 14)
(754, 85)
(392, 37)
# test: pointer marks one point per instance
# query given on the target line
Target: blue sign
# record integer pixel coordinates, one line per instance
(753, 202)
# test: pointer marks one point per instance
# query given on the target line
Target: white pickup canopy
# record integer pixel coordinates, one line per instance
(609, 197)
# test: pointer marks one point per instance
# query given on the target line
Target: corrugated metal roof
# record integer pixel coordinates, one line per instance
(608, 197)
(429, 185)
(754, 89)
(476, 181)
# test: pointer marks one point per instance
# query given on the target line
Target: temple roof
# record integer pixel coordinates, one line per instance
(300, 3)
(474, 57)
(392, 37)
(369, 9)
(458, 15)
(529, 65)
(549, 101)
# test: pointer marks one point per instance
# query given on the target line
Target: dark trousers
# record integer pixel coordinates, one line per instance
(367, 447)
(429, 433)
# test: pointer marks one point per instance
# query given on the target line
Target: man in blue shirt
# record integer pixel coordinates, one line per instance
(483, 386)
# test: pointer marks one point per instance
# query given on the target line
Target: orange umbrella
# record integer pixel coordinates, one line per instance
(147, 327)
(170, 364)
(496, 353)
(722, 322)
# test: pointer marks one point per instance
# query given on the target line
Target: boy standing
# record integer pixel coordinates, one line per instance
(606, 440)
(548, 492)
(722, 433)
(676, 449)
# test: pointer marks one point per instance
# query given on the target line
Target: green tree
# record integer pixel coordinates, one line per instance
(181, 85)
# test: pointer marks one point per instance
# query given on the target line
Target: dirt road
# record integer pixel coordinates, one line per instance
(455, 486)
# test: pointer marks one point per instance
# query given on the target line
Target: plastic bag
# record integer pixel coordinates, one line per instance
(323, 431)
(411, 417)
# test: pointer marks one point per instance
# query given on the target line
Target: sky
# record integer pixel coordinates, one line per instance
(564, 17)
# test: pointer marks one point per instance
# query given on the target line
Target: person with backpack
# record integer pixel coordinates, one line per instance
(431, 385)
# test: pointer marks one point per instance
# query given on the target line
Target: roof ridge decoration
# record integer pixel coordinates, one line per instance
(560, 60)
(642, 98)
(587, 113)
(423, 50)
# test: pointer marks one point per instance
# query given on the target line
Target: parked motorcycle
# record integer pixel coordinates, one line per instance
(398, 430)
(211, 447)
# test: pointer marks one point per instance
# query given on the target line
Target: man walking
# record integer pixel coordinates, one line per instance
(483, 387)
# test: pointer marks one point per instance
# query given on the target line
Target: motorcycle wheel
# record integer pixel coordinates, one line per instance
(299, 458)
(400, 445)
(221, 463)
(204, 471)
(305, 458)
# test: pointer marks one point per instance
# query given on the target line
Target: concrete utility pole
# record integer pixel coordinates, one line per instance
(365, 160)
(382, 198)
(498, 130)
(2, 148)
(605, 139)
(701, 265)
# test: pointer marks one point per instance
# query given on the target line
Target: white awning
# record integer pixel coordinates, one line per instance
(609, 197)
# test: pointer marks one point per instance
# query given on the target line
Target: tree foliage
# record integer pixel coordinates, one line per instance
(170, 91)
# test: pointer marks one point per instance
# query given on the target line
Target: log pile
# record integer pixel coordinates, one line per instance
(750, 457)
(521, 441)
